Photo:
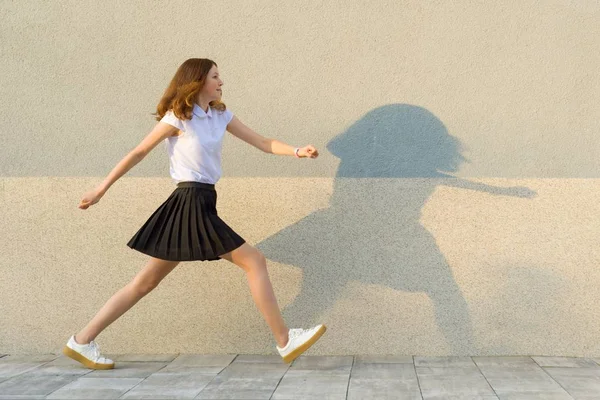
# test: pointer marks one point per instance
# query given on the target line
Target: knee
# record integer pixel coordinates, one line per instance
(143, 287)
(256, 262)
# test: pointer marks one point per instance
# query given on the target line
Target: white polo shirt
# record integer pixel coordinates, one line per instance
(195, 155)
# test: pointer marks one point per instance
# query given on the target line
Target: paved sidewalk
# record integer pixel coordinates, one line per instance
(189, 376)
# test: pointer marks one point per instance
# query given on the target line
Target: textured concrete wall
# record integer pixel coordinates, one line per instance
(453, 210)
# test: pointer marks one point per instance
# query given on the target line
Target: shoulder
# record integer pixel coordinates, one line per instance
(222, 112)
(171, 119)
(225, 115)
(170, 116)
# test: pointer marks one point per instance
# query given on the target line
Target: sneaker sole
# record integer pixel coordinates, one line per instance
(301, 349)
(69, 352)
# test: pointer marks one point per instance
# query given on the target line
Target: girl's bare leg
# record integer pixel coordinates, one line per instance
(254, 263)
(142, 284)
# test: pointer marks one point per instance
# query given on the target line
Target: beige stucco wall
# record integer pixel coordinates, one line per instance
(453, 209)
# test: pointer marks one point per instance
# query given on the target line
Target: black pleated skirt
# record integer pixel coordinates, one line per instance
(186, 227)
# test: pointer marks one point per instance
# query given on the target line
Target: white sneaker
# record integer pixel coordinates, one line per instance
(299, 341)
(87, 354)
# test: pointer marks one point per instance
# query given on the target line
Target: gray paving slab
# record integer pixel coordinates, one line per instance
(29, 358)
(461, 382)
(535, 396)
(383, 389)
(14, 365)
(8, 371)
(239, 388)
(95, 388)
(469, 397)
(191, 368)
(383, 381)
(581, 383)
(62, 366)
(519, 378)
(167, 358)
(504, 361)
(34, 384)
(204, 360)
(129, 370)
(245, 380)
(174, 384)
(569, 362)
(254, 370)
(367, 359)
(249, 358)
(452, 361)
(402, 372)
(312, 384)
(333, 364)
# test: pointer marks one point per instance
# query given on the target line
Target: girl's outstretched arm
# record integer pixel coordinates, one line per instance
(272, 146)
(157, 134)
(514, 191)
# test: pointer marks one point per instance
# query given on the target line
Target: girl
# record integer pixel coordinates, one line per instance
(192, 122)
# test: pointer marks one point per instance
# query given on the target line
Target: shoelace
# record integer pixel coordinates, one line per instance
(297, 332)
(95, 349)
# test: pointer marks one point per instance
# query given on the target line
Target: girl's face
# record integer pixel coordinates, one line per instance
(212, 85)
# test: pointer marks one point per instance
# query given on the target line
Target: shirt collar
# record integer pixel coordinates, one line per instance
(199, 112)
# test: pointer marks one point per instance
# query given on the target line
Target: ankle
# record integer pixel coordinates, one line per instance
(80, 341)
(282, 339)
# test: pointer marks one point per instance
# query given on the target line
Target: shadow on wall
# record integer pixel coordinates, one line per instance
(371, 233)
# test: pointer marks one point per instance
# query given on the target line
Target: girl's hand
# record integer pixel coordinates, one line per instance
(522, 191)
(90, 198)
(308, 151)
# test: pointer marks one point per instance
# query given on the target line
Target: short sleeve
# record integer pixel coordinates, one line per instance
(228, 116)
(171, 119)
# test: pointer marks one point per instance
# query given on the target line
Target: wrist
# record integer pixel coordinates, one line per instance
(101, 189)
(296, 150)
